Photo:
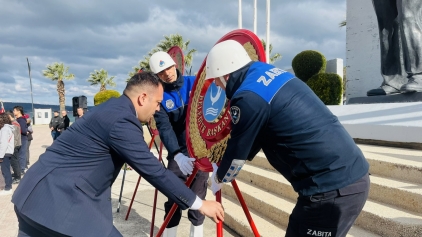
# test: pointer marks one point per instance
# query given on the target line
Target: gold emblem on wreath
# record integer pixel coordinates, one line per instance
(215, 153)
(152, 124)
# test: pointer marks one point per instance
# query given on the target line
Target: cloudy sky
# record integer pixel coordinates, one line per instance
(115, 35)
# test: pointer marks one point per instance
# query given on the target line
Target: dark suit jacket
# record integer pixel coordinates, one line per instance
(64, 123)
(68, 188)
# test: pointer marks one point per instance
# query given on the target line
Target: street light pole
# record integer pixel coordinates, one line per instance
(267, 50)
(254, 16)
(32, 98)
(240, 15)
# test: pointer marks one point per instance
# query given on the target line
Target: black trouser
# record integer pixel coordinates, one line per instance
(199, 187)
(5, 169)
(328, 214)
(29, 228)
(23, 153)
(400, 39)
(14, 162)
(28, 153)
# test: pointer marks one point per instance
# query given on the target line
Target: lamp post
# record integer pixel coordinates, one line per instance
(32, 98)
(254, 16)
(267, 50)
(240, 15)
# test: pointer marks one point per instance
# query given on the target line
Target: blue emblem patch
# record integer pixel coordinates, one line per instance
(214, 101)
(162, 63)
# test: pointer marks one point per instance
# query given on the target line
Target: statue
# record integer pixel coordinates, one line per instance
(400, 33)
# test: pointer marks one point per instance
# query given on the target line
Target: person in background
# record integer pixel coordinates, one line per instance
(64, 122)
(80, 112)
(54, 124)
(30, 138)
(14, 160)
(18, 112)
(7, 146)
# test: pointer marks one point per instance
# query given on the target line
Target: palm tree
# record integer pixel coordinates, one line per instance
(101, 78)
(275, 57)
(58, 72)
(343, 23)
(164, 45)
(177, 40)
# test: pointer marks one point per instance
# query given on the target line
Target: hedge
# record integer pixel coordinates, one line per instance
(308, 63)
(103, 96)
(328, 87)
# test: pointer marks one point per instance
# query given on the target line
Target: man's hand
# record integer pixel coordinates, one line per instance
(212, 209)
(215, 186)
(51, 128)
(185, 163)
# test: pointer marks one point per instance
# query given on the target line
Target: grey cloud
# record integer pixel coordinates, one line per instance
(115, 35)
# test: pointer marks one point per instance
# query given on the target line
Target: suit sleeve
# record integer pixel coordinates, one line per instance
(253, 115)
(167, 135)
(127, 140)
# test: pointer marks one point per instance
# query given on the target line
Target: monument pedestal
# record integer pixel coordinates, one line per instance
(396, 98)
(383, 123)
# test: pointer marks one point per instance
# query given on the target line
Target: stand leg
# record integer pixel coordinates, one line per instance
(245, 208)
(137, 184)
(220, 223)
(154, 206)
(174, 207)
(133, 198)
(121, 189)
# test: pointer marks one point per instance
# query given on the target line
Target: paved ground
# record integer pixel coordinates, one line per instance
(139, 220)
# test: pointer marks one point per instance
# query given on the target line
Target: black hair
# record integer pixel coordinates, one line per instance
(19, 108)
(143, 79)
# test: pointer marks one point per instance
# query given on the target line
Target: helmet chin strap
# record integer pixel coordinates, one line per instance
(223, 81)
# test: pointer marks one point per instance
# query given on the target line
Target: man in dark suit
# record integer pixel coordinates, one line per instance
(64, 122)
(67, 192)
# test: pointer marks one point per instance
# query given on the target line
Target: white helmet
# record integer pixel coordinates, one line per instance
(226, 57)
(160, 61)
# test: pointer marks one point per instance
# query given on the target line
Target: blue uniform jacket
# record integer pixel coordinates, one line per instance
(68, 188)
(278, 113)
(171, 119)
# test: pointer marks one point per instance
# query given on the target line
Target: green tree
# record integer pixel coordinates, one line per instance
(101, 78)
(59, 72)
(273, 58)
(343, 23)
(164, 45)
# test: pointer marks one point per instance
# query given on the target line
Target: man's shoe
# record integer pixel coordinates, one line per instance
(414, 85)
(16, 181)
(6, 192)
(383, 90)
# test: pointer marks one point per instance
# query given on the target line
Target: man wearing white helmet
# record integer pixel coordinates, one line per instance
(278, 113)
(171, 124)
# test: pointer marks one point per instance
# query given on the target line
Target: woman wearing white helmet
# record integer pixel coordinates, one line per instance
(171, 125)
